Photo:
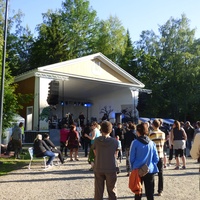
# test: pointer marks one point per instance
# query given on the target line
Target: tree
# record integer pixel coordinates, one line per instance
(129, 59)
(10, 100)
(61, 36)
(169, 65)
(19, 45)
(112, 39)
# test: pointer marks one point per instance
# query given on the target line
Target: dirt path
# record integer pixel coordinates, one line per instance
(73, 181)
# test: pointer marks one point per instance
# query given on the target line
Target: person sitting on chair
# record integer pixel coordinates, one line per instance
(53, 148)
(41, 149)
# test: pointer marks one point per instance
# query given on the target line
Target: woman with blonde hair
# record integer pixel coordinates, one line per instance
(41, 149)
(178, 138)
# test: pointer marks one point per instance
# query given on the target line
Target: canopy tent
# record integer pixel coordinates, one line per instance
(144, 119)
(166, 121)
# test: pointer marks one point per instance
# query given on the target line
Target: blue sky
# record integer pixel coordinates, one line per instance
(135, 15)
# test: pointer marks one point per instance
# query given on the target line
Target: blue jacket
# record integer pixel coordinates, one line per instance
(143, 151)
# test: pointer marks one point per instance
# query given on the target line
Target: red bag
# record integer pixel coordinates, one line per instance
(135, 182)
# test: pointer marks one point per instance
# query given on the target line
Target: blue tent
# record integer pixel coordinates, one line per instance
(168, 121)
(144, 119)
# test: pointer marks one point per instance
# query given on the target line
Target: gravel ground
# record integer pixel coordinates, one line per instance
(73, 181)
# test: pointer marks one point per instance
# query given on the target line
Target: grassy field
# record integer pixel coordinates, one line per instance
(8, 164)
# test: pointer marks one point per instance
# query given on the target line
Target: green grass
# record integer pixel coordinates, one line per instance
(9, 164)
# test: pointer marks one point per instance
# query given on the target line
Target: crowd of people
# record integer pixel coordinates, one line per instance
(160, 143)
(154, 144)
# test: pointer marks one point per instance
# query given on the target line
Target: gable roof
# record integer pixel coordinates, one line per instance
(95, 67)
(87, 76)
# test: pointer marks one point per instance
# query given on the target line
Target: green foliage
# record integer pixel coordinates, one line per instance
(62, 36)
(129, 59)
(169, 65)
(10, 165)
(112, 39)
(45, 113)
(11, 103)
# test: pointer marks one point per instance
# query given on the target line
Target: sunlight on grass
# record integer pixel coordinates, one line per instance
(9, 164)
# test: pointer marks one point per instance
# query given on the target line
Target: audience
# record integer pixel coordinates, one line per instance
(41, 149)
(53, 147)
(73, 142)
(179, 138)
(143, 151)
(63, 138)
(105, 150)
(95, 132)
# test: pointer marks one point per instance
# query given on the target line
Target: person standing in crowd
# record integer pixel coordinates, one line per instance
(179, 138)
(82, 138)
(41, 149)
(171, 149)
(197, 129)
(73, 142)
(158, 137)
(70, 119)
(86, 140)
(143, 151)
(53, 148)
(129, 136)
(105, 150)
(165, 129)
(21, 125)
(63, 138)
(65, 120)
(189, 129)
(92, 136)
(119, 131)
(81, 119)
(105, 117)
(112, 134)
(16, 138)
(195, 150)
(119, 155)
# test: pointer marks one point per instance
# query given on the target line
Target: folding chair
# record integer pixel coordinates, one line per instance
(30, 150)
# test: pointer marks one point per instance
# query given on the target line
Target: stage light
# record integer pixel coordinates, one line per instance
(87, 104)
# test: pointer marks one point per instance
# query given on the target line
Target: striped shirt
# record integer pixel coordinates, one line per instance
(158, 137)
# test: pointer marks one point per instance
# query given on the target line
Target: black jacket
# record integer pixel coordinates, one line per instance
(129, 136)
(39, 147)
(49, 143)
